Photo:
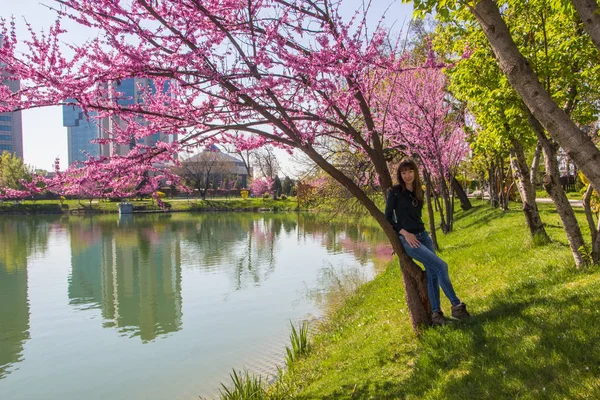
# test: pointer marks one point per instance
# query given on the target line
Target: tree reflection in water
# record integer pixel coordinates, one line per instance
(20, 238)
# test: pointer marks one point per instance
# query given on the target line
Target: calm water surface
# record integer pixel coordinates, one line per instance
(161, 306)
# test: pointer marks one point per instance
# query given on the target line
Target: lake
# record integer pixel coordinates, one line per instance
(163, 306)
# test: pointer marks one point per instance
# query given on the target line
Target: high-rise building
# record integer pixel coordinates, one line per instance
(132, 92)
(81, 129)
(11, 126)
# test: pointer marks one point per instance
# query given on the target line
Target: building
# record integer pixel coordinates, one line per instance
(82, 130)
(212, 165)
(11, 126)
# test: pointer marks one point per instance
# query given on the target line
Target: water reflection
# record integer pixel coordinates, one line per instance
(85, 286)
(132, 272)
(19, 239)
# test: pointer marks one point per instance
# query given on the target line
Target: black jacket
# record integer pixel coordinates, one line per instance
(401, 212)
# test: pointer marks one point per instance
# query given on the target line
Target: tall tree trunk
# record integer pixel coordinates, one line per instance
(596, 246)
(594, 230)
(465, 203)
(447, 204)
(452, 198)
(535, 165)
(493, 185)
(587, 206)
(556, 192)
(430, 212)
(588, 12)
(524, 80)
(527, 192)
(442, 216)
(503, 189)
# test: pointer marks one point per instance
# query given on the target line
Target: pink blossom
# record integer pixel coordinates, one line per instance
(260, 186)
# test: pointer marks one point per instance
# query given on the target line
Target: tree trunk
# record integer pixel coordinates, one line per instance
(442, 216)
(447, 205)
(430, 211)
(588, 12)
(594, 230)
(452, 201)
(503, 189)
(465, 203)
(524, 80)
(587, 199)
(535, 165)
(596, 246)
(493, 185)
(527, 191)
(556, 192)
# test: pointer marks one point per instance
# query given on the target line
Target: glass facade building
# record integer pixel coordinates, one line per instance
(82, 130)
(11, 124)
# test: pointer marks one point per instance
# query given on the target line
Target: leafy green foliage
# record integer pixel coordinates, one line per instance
(300, 344)
(12, 170)
(287, 186)
(277, 187)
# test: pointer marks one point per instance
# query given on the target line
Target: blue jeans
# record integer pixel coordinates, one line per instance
(435, 267)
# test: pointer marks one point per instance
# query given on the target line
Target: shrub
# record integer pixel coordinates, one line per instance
(266, 196)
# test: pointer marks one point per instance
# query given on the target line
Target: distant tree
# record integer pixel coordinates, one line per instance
(260, 186)
(266, 162)
(13, 171)
(244, 154)
(206, 168)
(287, 186)
(277, 187)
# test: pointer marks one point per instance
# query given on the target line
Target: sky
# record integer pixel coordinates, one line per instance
(44, 137)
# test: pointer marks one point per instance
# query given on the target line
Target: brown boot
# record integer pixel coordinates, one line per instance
(460, 312)
(437, 319)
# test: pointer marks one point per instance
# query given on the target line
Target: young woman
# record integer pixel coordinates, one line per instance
(403, 210)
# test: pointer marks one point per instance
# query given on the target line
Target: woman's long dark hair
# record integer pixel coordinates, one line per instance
(417, 186)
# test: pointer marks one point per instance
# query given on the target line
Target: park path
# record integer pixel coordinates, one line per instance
(574, 203)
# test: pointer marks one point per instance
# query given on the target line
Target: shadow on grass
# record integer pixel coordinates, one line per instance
(485, 215)
(529, 344)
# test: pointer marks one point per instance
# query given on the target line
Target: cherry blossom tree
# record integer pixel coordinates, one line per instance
(260, 186)
(424, 121)
(285, 73)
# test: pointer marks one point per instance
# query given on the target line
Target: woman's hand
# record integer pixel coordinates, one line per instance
(411, 239)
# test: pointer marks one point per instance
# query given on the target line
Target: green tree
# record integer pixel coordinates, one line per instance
(12, 171)
(277, 187)
(566, 64)
(287, 186)
(517, 66)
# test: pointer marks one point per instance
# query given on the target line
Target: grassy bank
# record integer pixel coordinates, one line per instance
(534, 333)
(147, 205)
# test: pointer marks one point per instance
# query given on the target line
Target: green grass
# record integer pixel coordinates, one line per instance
(300, 344)
(534, 332)
(148, 205)
(573, 195)
(244, 386)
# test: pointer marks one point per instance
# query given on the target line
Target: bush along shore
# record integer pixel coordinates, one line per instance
(148, 205)
(533, 335)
